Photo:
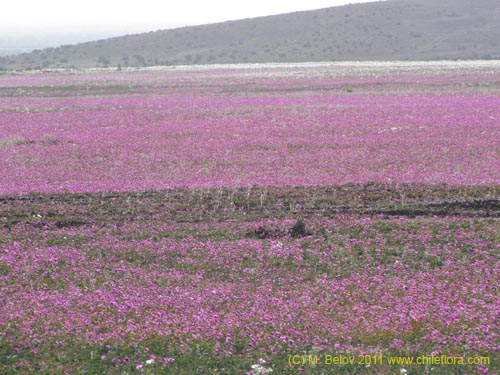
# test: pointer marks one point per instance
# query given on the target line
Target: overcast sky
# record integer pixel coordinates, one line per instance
(139, 15)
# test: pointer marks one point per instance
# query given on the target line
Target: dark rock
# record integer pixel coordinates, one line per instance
(299, 230)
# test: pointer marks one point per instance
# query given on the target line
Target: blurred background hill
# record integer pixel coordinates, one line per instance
(386, 30)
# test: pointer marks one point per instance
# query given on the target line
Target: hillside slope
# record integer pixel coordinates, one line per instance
(388, 30)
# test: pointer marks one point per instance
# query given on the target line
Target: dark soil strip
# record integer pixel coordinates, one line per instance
(185, 205)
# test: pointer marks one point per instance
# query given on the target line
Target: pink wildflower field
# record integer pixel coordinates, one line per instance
(200, 129)
(207, 277)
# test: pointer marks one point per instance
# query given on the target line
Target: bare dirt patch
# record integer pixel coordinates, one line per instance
(246, 204)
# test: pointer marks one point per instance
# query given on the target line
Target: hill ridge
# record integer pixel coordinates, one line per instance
(375, 31)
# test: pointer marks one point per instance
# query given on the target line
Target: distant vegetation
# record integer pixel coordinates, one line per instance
(389, 30)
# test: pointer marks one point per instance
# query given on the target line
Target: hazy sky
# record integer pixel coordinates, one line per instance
(139, 15)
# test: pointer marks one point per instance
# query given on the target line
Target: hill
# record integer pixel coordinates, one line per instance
(388, 30)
